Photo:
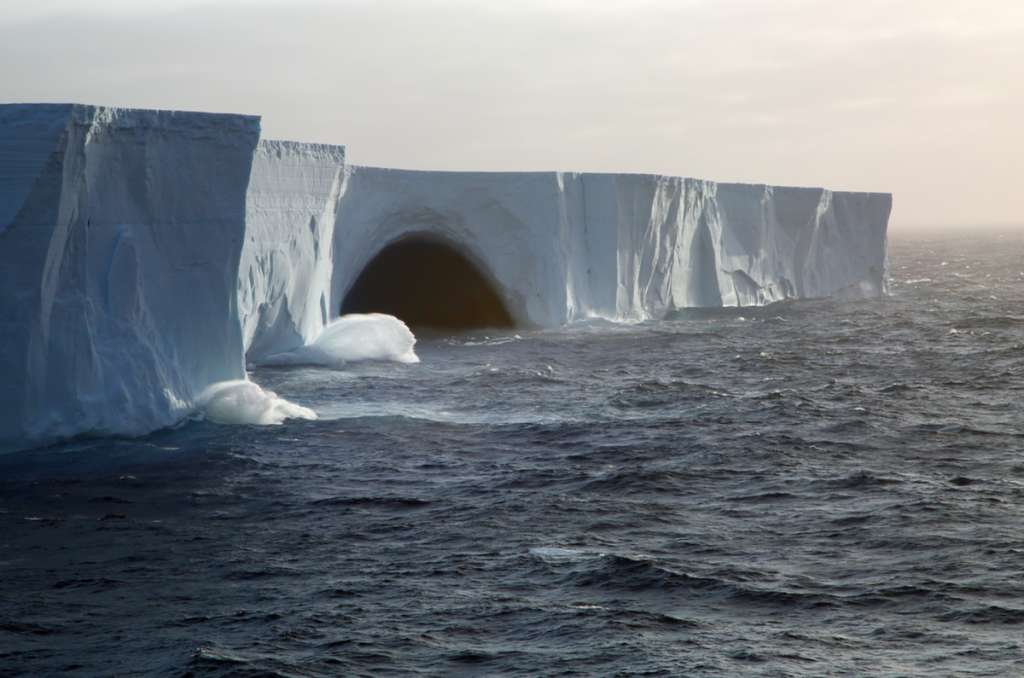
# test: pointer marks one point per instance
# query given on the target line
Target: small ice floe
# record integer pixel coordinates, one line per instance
(244, 402)
(352, 338)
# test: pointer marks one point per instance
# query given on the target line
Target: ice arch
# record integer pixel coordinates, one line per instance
(428, 283)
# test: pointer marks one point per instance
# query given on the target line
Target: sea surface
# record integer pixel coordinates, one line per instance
(807, 489)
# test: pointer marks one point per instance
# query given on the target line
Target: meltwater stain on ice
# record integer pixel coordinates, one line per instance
(244, 402)
(352, 338)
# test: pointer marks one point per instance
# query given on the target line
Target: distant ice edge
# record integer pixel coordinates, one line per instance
(146, 255)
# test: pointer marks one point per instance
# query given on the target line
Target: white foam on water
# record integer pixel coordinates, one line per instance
(440, 413)
(352, 338)
(559, 554)
(243, 402)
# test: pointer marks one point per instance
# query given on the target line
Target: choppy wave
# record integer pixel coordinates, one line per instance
(820, 488)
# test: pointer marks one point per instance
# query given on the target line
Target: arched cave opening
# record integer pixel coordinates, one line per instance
(429, 285)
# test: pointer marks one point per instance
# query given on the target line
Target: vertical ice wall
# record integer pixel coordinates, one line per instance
(120, 235)
(285, 274)
(565, 246)
(691, 243)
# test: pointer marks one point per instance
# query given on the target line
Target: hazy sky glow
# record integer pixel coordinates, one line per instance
(923, 98)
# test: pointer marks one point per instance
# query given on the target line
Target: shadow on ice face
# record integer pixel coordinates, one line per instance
(430, 285)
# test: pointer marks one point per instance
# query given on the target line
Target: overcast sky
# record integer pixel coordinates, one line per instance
(923, 98)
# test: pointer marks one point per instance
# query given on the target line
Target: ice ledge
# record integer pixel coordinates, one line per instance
(310, 151)
(176, 121)
(574, 174)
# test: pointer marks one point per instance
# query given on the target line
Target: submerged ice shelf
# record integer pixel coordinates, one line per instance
(145, 255)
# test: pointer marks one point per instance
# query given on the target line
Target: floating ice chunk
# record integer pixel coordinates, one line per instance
(243, 402)
(354, 337)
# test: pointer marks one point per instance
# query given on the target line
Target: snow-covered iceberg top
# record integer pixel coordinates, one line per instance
(145, 255)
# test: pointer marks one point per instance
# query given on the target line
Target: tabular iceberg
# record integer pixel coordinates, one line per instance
(146, 255)
(120, 237)
(563, 246)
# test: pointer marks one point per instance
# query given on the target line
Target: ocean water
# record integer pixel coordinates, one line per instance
(812, 488)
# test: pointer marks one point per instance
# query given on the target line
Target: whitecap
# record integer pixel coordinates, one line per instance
(561, 554)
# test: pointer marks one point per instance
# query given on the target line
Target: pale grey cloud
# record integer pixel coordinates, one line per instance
(922, 98)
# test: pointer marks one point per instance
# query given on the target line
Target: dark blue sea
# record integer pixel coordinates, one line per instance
(806, 489)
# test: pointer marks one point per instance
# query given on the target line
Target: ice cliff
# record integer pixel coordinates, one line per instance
(286, 268)
(565, 246)
(145, 255)
(120, 236)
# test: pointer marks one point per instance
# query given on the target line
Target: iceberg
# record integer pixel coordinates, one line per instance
(146, 256)
(560, 247)
(120, 237)
(286, 259)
